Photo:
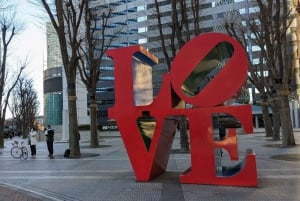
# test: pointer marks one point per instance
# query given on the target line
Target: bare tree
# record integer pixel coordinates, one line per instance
(93, 50)
(8, 32)
(181, 31)
(269, 26)
(5, 5)
(66, 17)
(24, 105)
(236, 29)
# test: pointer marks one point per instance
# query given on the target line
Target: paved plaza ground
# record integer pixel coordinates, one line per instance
(105, 174)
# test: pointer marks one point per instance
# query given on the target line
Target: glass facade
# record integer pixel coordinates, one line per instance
(131, 22)
(123, 27)
(53, 108)
(53, 98)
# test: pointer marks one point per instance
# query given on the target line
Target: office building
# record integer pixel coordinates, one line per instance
(53, 85)
(55, 90)
(135, 22)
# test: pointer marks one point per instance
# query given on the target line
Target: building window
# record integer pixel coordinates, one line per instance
(53, 108)
(142, 30)
(142, 40)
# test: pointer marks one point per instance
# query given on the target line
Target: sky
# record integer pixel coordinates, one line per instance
(30, 43)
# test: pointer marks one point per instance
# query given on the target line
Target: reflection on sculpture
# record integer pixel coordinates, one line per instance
(148, 130)
(207, 69)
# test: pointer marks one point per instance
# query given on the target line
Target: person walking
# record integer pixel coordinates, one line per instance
(32, 141)
(50, 140)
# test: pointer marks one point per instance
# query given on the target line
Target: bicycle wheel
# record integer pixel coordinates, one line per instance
(24, 153)
(16, 152)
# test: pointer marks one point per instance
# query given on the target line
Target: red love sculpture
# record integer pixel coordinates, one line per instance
(148, 130)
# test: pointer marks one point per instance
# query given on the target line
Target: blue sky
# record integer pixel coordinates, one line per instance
(31, 43)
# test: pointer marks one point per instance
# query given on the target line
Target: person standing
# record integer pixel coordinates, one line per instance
(32, 140)
(50, 140)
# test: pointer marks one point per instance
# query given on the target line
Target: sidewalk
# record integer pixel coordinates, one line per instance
(105, 174)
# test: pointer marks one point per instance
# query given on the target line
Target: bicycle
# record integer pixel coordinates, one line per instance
(19, 150)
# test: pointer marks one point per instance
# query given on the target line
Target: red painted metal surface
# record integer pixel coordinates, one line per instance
(203, 165)
(150, 161)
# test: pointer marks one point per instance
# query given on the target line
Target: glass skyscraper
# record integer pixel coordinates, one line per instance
(132, 22)
(53, 104)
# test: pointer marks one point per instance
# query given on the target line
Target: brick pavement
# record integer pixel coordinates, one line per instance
(12, 194)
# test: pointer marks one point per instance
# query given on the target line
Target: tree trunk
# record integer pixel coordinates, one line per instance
(1, 140)
(93, 125)
(276, 119)
(267, 119)
(73, 125)
(184, 140)
(286, 124)
(1, 135)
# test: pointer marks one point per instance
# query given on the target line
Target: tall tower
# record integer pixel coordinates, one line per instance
(55, 90)
(53, 80)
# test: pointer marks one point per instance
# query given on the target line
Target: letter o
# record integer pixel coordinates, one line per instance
(224, 85)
